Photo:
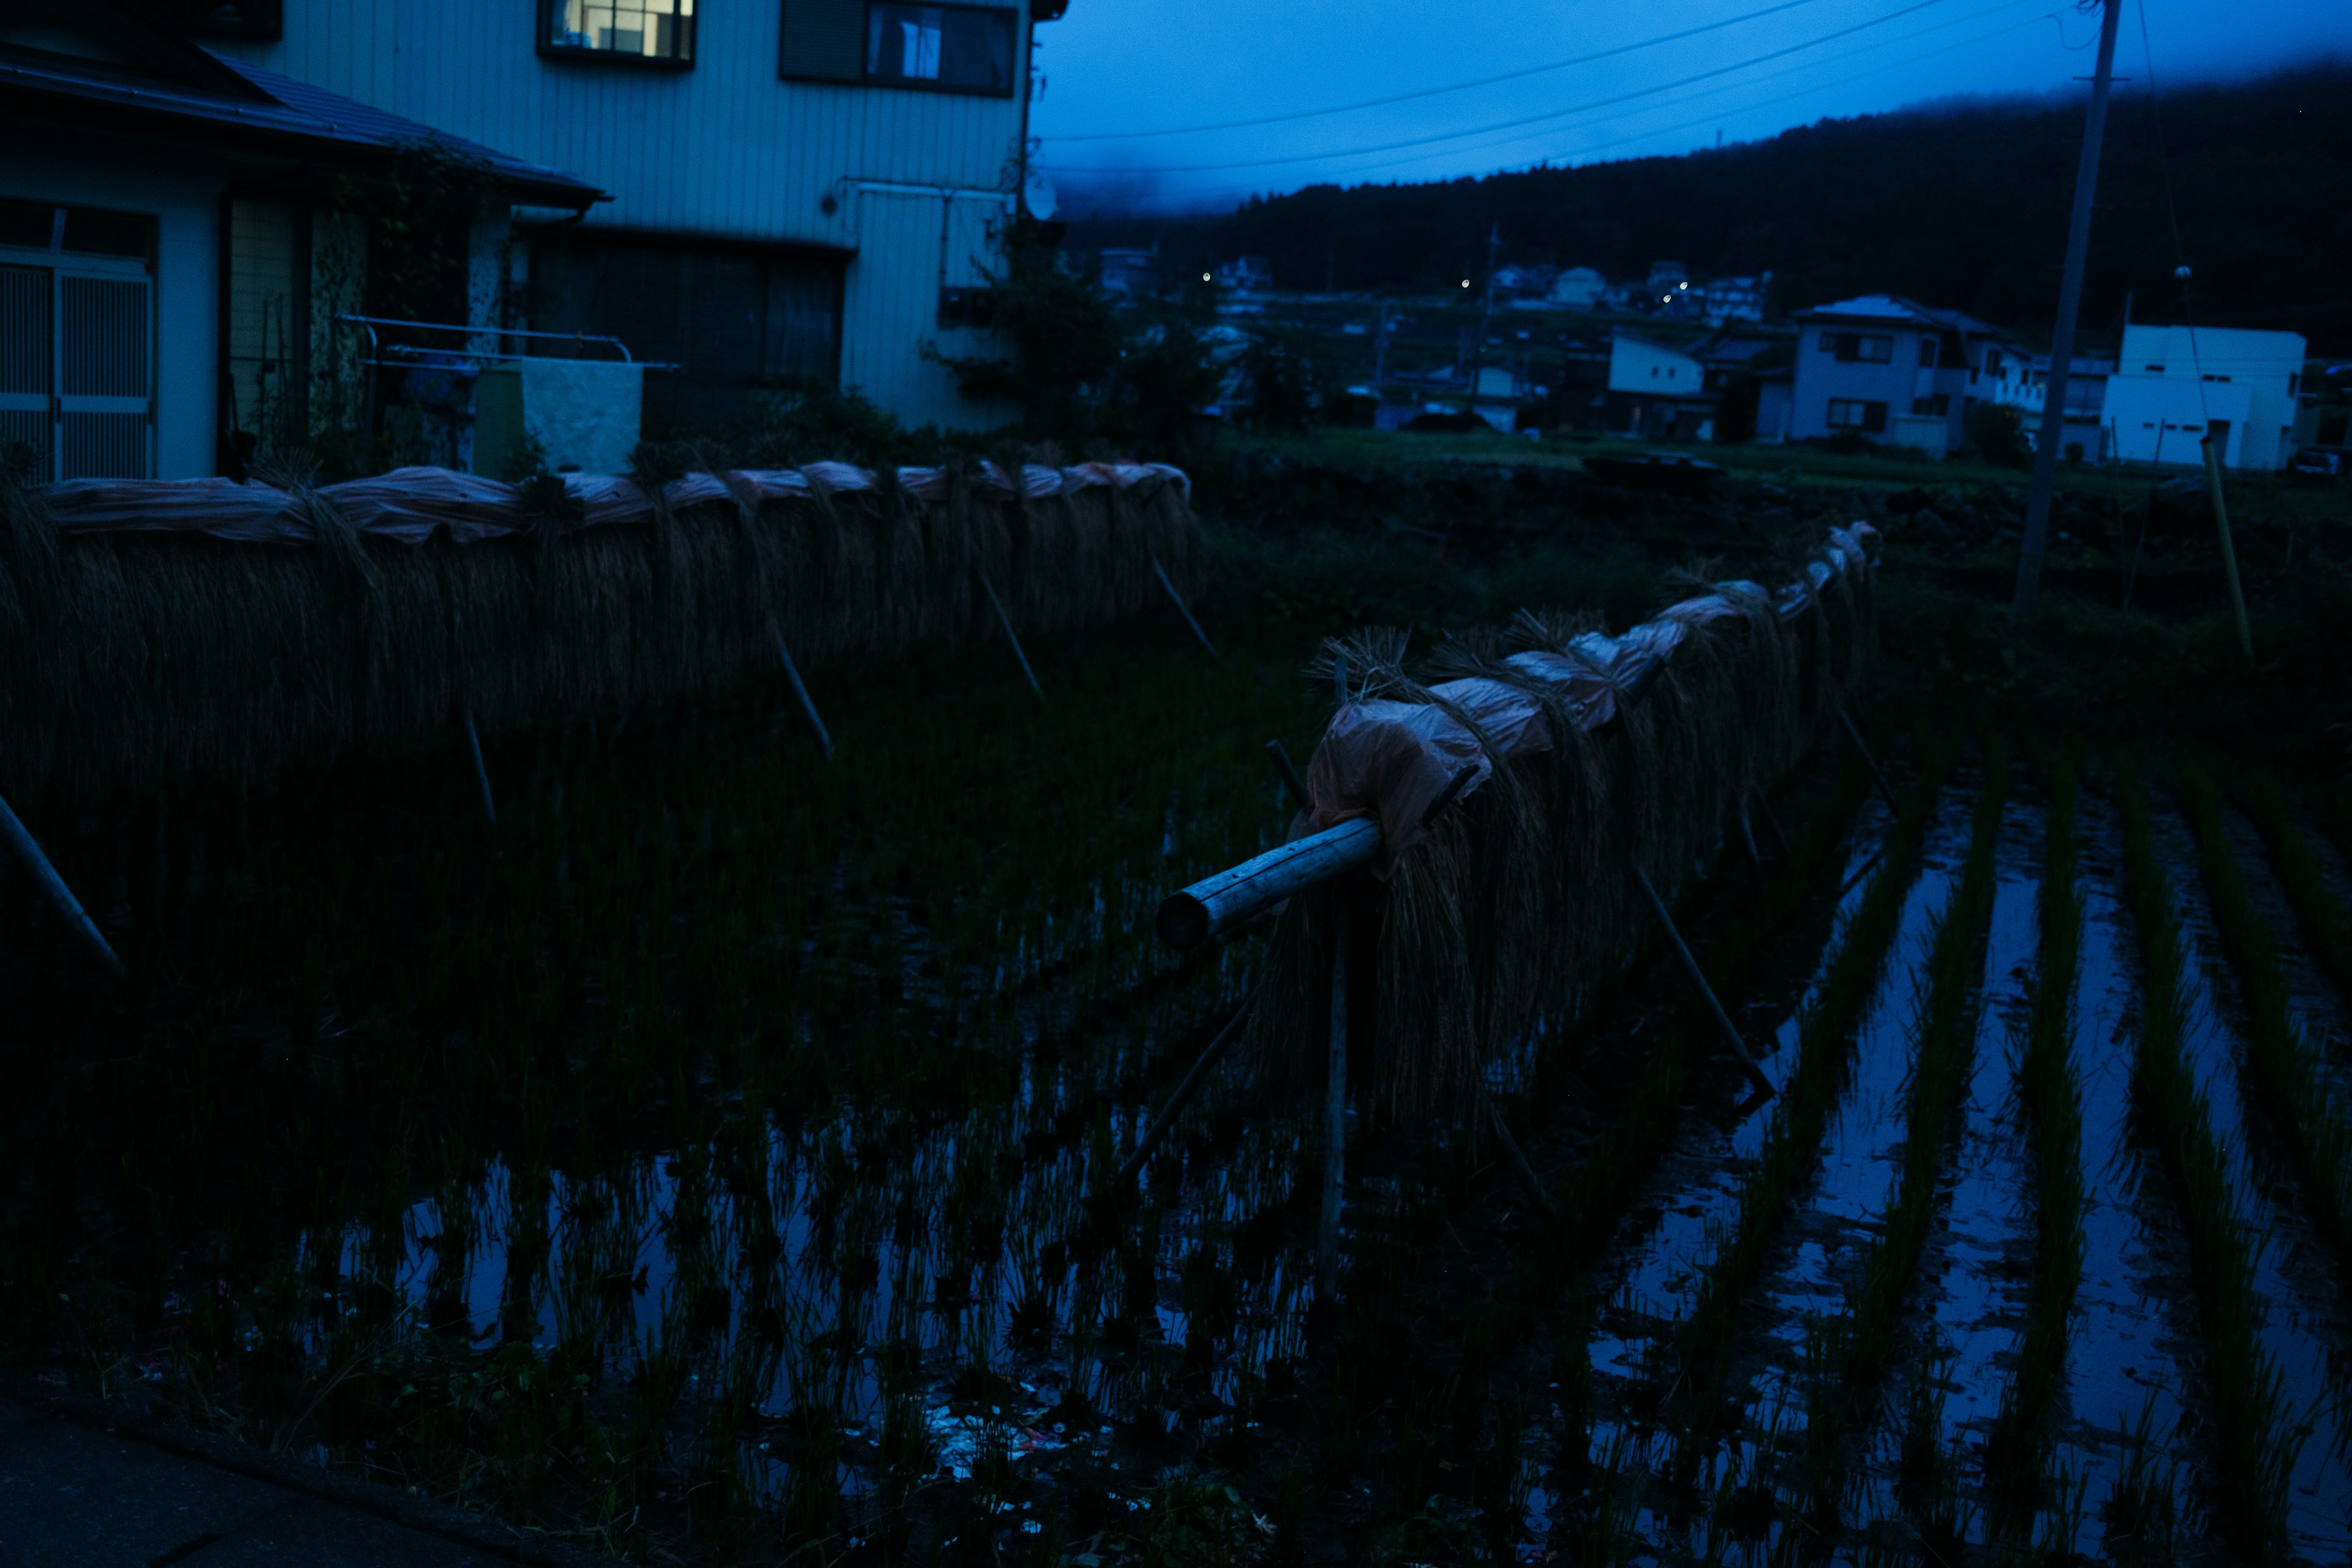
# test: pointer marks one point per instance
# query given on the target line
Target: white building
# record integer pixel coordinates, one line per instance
(1656, 391)
(1892, 371)
(1736, 298)
(1579, 288)
(2174, 386)
(745, 190)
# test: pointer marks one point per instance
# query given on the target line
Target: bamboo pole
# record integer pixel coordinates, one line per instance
(792, 674)
(1182, 609)
(1698, 978)
(481, 773)
(1335, 1122)
(1191, 916)
(1185, 1090)
(54, 886)
(2229, 547)
(1011, 636)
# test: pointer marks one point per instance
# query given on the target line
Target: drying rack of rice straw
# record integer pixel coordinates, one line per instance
(1467, 848)
(157, 634)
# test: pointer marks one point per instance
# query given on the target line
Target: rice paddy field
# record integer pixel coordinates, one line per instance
(712, 1161)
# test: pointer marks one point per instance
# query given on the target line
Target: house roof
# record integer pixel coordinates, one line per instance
(1896, 310)
(92, 63)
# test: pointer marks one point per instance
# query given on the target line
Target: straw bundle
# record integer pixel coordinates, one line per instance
(154, 635)
(1601, 755)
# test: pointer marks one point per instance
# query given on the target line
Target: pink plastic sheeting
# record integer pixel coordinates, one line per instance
(1391, 761)
(410, 504)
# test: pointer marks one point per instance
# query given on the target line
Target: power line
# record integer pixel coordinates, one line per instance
(1713, 117)
(1499, 125)
(1437, 91)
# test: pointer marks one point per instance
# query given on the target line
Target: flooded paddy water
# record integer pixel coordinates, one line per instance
(715, 1162)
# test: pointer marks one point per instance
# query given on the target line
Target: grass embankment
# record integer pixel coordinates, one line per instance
(2251, 1450)
(2049, 1091)
(2284, 1076)
(1861, 1345)
(1704, 1347)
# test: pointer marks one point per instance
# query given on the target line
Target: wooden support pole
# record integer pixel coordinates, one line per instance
(1698, 978)
(2228, 548)
(1192, 1081)
(1884, 789)
(481, 773)
(1290, 773)
(1011, 636)
(54, 887)
(1335, 1122)
(1520, 1160)
(1183, 609)
(792, 674)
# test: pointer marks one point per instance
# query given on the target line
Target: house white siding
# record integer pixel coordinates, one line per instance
(2267, 367)
(723, 149)
(182, 191)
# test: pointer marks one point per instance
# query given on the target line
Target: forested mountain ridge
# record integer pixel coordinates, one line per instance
(1962, 204)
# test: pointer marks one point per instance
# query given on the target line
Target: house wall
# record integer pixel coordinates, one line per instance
(2162, 418)
(1901, 382)
(725, 150)
(1652, 369)
(181, 189)
(2268, 365)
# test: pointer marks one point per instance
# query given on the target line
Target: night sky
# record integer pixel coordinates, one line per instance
(1158, 66)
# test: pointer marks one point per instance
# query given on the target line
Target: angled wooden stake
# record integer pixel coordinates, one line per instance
(481, 774)
(54, 887)
(1884, 789)
(1698, 978)
(1335, 1122)
(1290, 773)
(1185, 1090)
(1520, 1160)
(1183, 609)
(1011, 636)
(792, 674)
(1772, 821)
(1748, 835)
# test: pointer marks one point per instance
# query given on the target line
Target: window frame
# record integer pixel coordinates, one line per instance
(1012, 16)
(1860, 426)
(542, 41)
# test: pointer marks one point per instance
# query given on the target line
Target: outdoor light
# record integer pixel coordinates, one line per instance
(1466, 282)
(1204, 278)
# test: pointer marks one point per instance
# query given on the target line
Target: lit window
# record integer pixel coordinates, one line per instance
(659, 30)
(962, 47)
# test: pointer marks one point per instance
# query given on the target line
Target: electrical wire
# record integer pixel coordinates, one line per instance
(1438, 91)
(1916, 6)
(1636, 138)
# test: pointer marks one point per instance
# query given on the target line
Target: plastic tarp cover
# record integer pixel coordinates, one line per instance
(1389, 761)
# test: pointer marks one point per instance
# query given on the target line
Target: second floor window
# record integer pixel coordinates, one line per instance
(1864, 348)
(965, 48)
(657, 30)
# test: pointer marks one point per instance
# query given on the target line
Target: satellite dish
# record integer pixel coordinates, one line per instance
(1037, 195)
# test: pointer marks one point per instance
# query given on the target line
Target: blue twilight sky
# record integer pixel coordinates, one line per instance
(1159, 66)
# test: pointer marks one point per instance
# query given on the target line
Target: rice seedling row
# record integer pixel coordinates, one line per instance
(2264, 1475)
(2314, 890)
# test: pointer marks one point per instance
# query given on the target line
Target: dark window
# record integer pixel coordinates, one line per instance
(729, 320)
(962, 48)
(1939, 406)
(1863, 348)
(1926, 354)
(1853, 414)
(659, 32)
(83, 231)
(967, 307)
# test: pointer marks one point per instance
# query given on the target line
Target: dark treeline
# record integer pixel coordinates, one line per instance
(1959, 205)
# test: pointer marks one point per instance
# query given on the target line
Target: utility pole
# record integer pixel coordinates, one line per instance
(2061, 339)
(1485, 310)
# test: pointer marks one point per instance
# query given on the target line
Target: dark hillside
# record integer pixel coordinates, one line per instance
(1958, 204)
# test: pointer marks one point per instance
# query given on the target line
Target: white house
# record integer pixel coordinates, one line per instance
(1892, 371)
(2176, 385)
(1656, 391)
(1736, 298)
(1579, 288)
(176, 238)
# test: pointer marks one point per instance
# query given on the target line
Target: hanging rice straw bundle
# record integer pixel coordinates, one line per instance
(1579, 757)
